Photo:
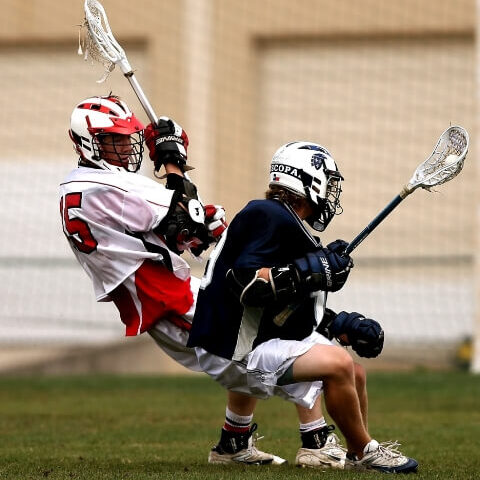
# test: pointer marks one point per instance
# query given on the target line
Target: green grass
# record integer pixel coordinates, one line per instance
(107, 427)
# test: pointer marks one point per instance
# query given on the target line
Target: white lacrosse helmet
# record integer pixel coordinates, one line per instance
(107, 134)
(308, 169)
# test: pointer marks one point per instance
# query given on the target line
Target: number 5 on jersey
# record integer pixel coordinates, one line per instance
(76, 230)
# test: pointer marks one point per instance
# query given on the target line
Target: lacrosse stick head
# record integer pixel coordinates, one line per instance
(445, 162)
(100, 44)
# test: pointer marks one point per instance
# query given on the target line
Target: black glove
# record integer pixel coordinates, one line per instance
(364, 334)
(323, 269)
(167, 142)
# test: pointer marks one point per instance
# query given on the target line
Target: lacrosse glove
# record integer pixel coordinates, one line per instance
(215, 221)
(211, 231)
(364, 334)
(167, 142)
(325, 269)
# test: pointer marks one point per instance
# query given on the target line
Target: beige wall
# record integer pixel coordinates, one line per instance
(219, 45)
(374, 80)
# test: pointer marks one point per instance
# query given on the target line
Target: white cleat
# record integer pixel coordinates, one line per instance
(382, 457)
(330, 456)
(250, 455)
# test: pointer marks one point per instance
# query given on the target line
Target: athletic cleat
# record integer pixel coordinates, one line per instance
(241, 448)
(330, 455)
(382, 457)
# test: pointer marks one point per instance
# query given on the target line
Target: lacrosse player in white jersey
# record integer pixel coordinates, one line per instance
(128, 232)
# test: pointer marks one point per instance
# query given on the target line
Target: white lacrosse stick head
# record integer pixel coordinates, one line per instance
(445, 162)
(100, 43)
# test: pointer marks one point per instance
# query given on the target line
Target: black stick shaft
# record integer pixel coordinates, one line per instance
(373, 224)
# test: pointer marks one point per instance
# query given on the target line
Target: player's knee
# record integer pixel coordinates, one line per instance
(342, 363)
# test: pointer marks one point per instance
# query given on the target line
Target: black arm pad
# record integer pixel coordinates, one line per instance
(257, 292)
(325, 326)
(182, 185)
(179, 227)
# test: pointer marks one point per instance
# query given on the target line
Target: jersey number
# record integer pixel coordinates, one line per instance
(76, 230)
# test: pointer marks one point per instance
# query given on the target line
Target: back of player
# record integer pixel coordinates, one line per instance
(262, 234)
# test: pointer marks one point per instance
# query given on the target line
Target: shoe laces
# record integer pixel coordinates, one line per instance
(255, 437)
(389, 449)
(333, 440)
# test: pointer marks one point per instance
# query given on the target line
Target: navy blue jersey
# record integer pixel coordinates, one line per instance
(266, 233)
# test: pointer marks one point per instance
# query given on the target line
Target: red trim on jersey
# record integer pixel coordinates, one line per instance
(162, 296)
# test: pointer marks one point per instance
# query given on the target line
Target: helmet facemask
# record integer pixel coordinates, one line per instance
(325, 205)
(119, 151)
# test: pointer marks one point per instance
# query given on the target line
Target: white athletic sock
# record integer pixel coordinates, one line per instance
(237, 423)
(315, 425)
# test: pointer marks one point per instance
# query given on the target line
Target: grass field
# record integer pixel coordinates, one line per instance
(107, 427)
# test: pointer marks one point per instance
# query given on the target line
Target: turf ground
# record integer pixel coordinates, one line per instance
(107, 427)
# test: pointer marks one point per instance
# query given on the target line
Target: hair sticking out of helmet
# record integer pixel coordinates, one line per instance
(308, 169)
(106, 134)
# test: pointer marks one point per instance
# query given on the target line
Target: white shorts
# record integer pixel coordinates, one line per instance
(258, 373)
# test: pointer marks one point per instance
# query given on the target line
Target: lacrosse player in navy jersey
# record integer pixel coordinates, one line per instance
(261, 326)
(128, 231)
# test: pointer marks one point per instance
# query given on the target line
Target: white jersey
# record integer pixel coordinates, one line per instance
(108, 218)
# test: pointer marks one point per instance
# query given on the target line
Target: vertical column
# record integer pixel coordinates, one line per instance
(198, 46)
(475, 367)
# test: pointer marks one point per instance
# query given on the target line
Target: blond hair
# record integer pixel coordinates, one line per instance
(286, 196)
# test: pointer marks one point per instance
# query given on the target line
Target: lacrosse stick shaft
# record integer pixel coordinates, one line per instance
(375, 222)
(141, 97)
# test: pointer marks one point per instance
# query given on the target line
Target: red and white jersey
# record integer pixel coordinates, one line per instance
(108, 218)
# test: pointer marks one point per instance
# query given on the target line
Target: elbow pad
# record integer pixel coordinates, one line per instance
(253, 291)
(182, 185)
(183, 227)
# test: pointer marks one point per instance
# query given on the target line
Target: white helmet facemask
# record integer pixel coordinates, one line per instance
(308, 169)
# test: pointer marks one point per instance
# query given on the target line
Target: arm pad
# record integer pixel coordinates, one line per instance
(182, 185)
(254, 291)
(325, 326)
(183, 227)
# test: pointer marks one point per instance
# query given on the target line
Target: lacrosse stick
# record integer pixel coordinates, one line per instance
(445, 162)
(100, 45)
